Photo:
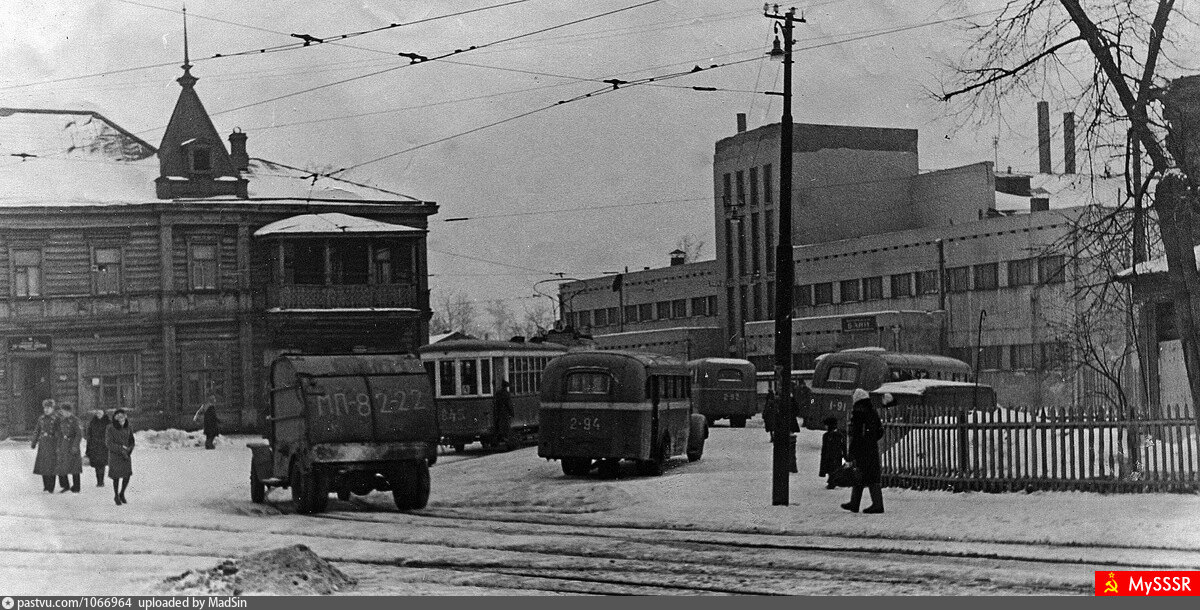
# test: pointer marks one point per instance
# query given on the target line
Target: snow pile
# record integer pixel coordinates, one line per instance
(173, 439)
(292, 570)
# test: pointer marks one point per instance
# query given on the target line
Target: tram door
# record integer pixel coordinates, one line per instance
(31, 385)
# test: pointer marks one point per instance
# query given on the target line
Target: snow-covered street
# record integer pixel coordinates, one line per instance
(512, 523)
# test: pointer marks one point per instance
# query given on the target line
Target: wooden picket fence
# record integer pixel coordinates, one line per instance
(1010, 450)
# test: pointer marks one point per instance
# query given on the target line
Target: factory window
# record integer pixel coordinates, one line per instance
(663, 309)
(1021, 272)
(822, 293)
(989, 357)
(700, 307)
(728, 248)
(585, 319)
(1050, 269)
(987, 276)
(770, 299)
(758, 302)
(27, 272)
(741, 226)
(601, 317)
(958, 279)
(872, 288)
(849, 291)
(612, 316)
(106, 270)
(679, 308)
(902, 285)
(1053, 356)
(802, 295)
(631, 313)
(743, 298)
(729, 308)
(769, 222)
(753, 186)
(767, 186)
(927, 282)
(755, 259)
(727, 194)
(740, 181)
(1020, 357)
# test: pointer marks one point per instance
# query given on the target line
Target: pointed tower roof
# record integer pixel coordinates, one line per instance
(192, 158)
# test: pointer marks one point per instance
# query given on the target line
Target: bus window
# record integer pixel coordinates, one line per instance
(845, 375)
(588, 382)
(729, 375)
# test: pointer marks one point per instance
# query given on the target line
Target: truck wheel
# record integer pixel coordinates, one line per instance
(343, 495)
(258, 491)
(575, 467)
(309, 491)
(697, 432)
(609, 468)
(737, 422)
(410, 485)
(655, 465)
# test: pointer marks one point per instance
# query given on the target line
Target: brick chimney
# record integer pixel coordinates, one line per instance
(1043, 116)
(237, 151)
(741, 122)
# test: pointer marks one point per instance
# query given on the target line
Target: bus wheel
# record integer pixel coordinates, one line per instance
(656, 464)
(737, 422)
(610, 468)
(575, 467)
(710, 419)
(697, 432)
(258, 490)
(459, 447)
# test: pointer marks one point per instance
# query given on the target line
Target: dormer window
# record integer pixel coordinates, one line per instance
(201, 159)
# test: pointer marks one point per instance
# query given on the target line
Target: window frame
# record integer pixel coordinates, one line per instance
(193, 266)
(14, 268)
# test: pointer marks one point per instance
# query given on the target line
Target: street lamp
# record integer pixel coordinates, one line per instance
(780, 461)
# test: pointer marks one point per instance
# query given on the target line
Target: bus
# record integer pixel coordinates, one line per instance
(765, 382)
(838, 374)
(601, 407)
(466, 373)
(723, 388)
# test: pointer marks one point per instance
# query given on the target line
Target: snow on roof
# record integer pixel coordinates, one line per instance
(918, 387)
(331, 223)
(1154, 265)
(1065, 191)
(55, 158)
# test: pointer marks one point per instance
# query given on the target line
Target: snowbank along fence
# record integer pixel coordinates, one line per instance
(1010, 450)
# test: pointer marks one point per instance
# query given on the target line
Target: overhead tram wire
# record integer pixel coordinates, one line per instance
(583, 209)
(484, 260)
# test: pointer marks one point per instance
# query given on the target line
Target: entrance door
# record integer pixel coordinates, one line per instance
(31, 385)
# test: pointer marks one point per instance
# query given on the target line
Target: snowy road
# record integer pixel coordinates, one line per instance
(511, 523)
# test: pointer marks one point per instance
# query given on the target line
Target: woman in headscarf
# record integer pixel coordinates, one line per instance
(865, 431)
(119, 439)
(97, 451)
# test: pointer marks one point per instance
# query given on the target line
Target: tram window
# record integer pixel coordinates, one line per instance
(588, 382)
(485, 377)
(729, 375)
(469, 376)
(447, 385)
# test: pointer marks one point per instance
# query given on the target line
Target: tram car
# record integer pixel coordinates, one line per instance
(839, 373)
(601, 407)
(467, 373)
(724, 388)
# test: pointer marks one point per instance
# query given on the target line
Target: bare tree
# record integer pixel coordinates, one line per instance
(453, 312)
(537, 319)
(1112, 58)
(691, 246)
(502, 317)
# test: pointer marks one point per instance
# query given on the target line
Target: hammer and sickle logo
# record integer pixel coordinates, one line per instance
(1111, 585)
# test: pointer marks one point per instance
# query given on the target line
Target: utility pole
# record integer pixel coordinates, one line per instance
(785, 275)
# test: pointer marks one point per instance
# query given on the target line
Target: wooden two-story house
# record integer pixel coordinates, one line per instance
(151, 278)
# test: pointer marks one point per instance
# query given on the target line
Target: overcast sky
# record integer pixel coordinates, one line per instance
(637, 145)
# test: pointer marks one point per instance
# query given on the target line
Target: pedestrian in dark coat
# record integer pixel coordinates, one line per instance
(833, 449)
(212, 425)
(769, 406)
(119, 440)
(43, 441)
(68, 461)
(865, 431)
(503, 409)
(97, 451)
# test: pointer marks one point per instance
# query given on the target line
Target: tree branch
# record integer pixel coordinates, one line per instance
(1002, 73)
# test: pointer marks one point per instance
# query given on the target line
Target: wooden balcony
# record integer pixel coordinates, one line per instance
(345, 296)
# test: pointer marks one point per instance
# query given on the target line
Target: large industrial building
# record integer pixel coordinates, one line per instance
(964, 261)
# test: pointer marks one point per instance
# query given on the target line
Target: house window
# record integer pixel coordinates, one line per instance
(927, 282)
(631, 313)
(872, 288)
(987, 276)
(304, 263)
(27, 272)
(205, 376)
(902, 285)
(849, 291)
(109, 381)
(958, 279)
(679, 308)
(753, 186)
(700, 307)
(201, 159)
(1050, 269)
(1022, 272)
(663, 309)
(1020, 357)
(202, 266)
(767, 197)
(351, 264)
(823, 293)
(106, 270)
(393, 264)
